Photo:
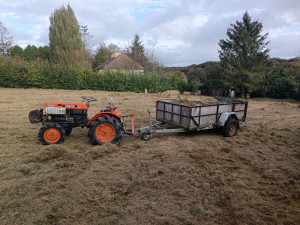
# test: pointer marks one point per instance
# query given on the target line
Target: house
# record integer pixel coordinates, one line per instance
(121, 62)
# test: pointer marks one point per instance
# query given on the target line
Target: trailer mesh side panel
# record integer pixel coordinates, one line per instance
(195, 117)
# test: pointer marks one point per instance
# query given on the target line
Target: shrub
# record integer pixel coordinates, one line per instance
(17, 73)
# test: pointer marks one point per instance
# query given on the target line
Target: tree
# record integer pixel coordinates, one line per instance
(42, 53)
(102, 55)
(145, 57)
(137, 51)
(6, 40)
(205, 76)
(46, 52)
(86, 37)
(66, 45)
(30, 53)
(113, 48)
(243, 55)
(17, 51)
(153, 62)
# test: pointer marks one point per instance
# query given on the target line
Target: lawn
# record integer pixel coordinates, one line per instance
(197, 178)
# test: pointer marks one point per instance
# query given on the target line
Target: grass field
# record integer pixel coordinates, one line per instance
(199, 178)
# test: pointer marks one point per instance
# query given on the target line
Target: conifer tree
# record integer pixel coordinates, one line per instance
(42, 53)
(243, 55)
(65, 38)
(17, 51)
(137, 51)
(30, 52)
(103, 54)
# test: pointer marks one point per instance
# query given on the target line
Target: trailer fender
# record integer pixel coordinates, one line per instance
(224, 117)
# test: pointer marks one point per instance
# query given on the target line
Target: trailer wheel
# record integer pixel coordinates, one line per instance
(146, 136)
(230, 128)
(105, 130)
(51, 134)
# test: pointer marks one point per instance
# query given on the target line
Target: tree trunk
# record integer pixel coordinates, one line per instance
(243, 92)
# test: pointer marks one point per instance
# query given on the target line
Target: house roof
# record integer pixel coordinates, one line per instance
(122, 61)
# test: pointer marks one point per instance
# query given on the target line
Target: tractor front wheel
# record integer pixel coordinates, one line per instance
(105, 130)
(51, 134)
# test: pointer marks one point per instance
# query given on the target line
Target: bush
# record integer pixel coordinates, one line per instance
(282, 83)
(13, 73)
(17, 73)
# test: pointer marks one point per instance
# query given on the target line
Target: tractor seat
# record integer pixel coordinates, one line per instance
(108, 108)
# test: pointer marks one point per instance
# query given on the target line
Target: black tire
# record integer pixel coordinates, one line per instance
(105, 130)
(146, 136)
(51, 134)
(68, 131)
(35, 116)
(230, 128)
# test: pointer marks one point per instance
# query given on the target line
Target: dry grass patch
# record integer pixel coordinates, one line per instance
(197, 178)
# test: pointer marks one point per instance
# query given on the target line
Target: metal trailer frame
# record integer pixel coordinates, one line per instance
(147, 132)
(220, 117)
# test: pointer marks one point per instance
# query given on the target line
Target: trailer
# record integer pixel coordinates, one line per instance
(226, 114)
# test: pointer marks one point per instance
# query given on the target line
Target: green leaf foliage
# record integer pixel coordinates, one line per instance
(137, 52)
(243, 55)
(102, 55)
(17, 51)
(43, 53)
(30, 52)
(282, 80)
(66, 45)
(18, 73)
(204, 77)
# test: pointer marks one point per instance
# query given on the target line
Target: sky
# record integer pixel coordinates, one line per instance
(178, 32)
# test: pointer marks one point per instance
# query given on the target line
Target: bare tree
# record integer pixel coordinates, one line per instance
(87, 48)
(6, 40)
(113, 48)
(154, 61)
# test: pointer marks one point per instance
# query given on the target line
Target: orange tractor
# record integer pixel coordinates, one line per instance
(60, 117)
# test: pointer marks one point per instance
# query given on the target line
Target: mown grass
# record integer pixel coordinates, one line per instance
(199, 178)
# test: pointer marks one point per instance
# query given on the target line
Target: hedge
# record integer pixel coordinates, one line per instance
(17, 73)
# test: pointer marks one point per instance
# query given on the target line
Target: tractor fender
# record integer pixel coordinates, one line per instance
(224, 117)
(114, 114)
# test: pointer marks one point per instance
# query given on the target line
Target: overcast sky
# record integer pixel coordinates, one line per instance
(181, 32)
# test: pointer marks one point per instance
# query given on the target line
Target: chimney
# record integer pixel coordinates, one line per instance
(116, 54)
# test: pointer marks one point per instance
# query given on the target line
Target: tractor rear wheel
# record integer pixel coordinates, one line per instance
(51, 134)
(105, 130)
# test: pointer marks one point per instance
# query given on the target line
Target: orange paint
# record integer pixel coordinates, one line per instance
(116, 113)
(105, 132)
(52, 135)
